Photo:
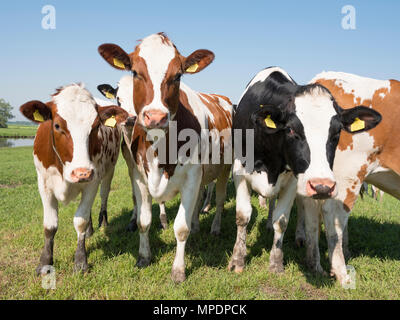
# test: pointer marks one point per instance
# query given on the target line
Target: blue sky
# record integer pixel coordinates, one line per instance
(303, 37)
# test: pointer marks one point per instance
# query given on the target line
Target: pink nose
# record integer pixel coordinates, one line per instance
(82, 175)
(320, 188)
(155, 118)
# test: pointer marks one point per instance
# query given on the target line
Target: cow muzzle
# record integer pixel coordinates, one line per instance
(154, 119)
(81, 175)
(321, 188)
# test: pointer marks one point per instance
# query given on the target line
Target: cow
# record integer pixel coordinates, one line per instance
(123, 94)
(370, 157)
(75, 149)
(296, 129)
(162, 101)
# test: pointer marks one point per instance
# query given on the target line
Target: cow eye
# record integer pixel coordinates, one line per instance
(134, 73)
(57, 126)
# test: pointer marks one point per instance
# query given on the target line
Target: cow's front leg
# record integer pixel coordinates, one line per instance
(335, 220)
(183, 220)
(280, 220)
(132, 226)
(50, 225)
(144, 215)
(81, 221)
(163, 216)
(104, 192)
(243, 215)
(300, 227)
(312, 209)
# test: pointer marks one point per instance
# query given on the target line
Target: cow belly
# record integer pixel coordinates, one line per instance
(211, 172)
(387, 181)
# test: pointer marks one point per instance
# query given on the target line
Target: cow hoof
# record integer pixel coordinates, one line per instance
(143, 262)
(276, 268)
(178, 276)
(39, 269)
(132, 226)
(163, 226)
(206, 209)
(236, 266)
(215, 232)
(103, 219)
(81, 267)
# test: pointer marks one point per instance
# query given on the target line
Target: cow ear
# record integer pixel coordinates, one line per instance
(36, 111)
(107, 91)
(269, 118)
(115, 56)
(360, 119)
(197, 61)
(111, 115)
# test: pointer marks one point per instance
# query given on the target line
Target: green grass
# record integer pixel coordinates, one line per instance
(14, 130)
(374, 230)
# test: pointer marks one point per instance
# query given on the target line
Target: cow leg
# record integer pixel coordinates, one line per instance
(163, 216)
(89, 229)
(312, 228)
(271, 208)
(195, 228)
(81, 221)
(243, 215)
(300, 227)
(222, 183)
(207, 202)
(183, 221)
(335, 220)
(104, 192)
(50, 225)
(280, 221)
(144, 216)
(132, 226)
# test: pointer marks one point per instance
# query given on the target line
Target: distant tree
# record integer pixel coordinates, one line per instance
(5, 113)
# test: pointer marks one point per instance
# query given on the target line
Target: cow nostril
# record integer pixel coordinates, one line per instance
(322, 189)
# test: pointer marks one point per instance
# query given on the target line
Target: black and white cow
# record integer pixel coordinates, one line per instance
(296, 131)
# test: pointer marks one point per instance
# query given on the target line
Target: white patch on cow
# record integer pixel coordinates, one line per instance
(315, 111)
(262, 75)
(125, 94)
(346, 172)
(157, 55)
(78, 108)
(361, 87)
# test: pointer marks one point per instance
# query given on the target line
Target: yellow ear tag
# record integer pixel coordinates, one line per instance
(357, 125)
(109, 95)
(111, 122)
(118, 63)
(270, 123)
(37, 116)
(192, 68)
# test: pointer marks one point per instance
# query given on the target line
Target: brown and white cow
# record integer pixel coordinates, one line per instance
(76, 147)
(373, 157)
(162, 101)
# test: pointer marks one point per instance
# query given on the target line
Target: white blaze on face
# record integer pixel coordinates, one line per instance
(315, 112)
(125, 94)
(78, 108)
(157, 53)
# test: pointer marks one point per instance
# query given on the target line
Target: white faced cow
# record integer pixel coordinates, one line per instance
(296, 130)
(75, 148)
(159, 98)
(371, 156)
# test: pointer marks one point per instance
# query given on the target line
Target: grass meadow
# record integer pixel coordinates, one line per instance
(18, 130)
(374, 231)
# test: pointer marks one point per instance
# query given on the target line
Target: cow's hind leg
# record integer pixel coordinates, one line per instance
(300, 239)
(81, 221)
(207, 202)
(271, 208)
(221, 185)
(50, 224)
(163, 216)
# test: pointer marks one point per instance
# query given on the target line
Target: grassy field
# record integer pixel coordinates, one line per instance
(15, 130)
(374, 230)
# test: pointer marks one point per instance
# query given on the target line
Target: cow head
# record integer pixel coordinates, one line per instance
(309, 127)
(157, 67)
(75, 121)
(123, 94)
